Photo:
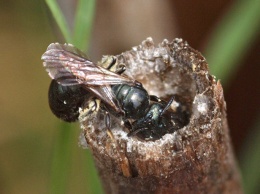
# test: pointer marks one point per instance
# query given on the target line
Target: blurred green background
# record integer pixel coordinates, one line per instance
(36, 156)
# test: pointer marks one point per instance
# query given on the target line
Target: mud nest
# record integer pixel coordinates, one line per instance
(196, 158)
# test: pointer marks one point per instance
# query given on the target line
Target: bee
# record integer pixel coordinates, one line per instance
(64, 101)
(77, 79)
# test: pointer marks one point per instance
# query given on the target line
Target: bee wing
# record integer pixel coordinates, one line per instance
(105, 94)
(69, 66)
(66, 61)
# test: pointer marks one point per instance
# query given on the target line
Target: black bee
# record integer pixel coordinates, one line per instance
(76, 78)
(64, 101)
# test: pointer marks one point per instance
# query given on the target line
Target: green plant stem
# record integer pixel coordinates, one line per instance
(60, 19)
(94, 184)
(61, 159)
(250, 160)
(83, 22)
(232, 37)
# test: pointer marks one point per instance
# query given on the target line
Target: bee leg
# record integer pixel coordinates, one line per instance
(134, 132)
(121, 69)
(108, 126)
(130, 127)
(112, 63)
(155, 98)
(167, 105)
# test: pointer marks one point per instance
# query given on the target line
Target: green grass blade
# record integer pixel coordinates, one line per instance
(60, 19)
(83, 23)
(93, 181)
(82, 31)
(232, 38)
(62, 152)
(61, 159)
(250, 160)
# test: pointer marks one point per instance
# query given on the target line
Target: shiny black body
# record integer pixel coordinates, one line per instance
(146, 117)
(134, 100)
(148, 122)
(156, 124)
(64, 101)
(151, 120)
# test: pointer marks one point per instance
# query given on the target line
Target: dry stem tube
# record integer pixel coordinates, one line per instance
(197, 158)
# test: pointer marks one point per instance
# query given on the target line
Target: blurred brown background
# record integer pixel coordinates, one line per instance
(27, 28)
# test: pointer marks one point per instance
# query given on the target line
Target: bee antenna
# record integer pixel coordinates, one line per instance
(167, 105)
(108, 126)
